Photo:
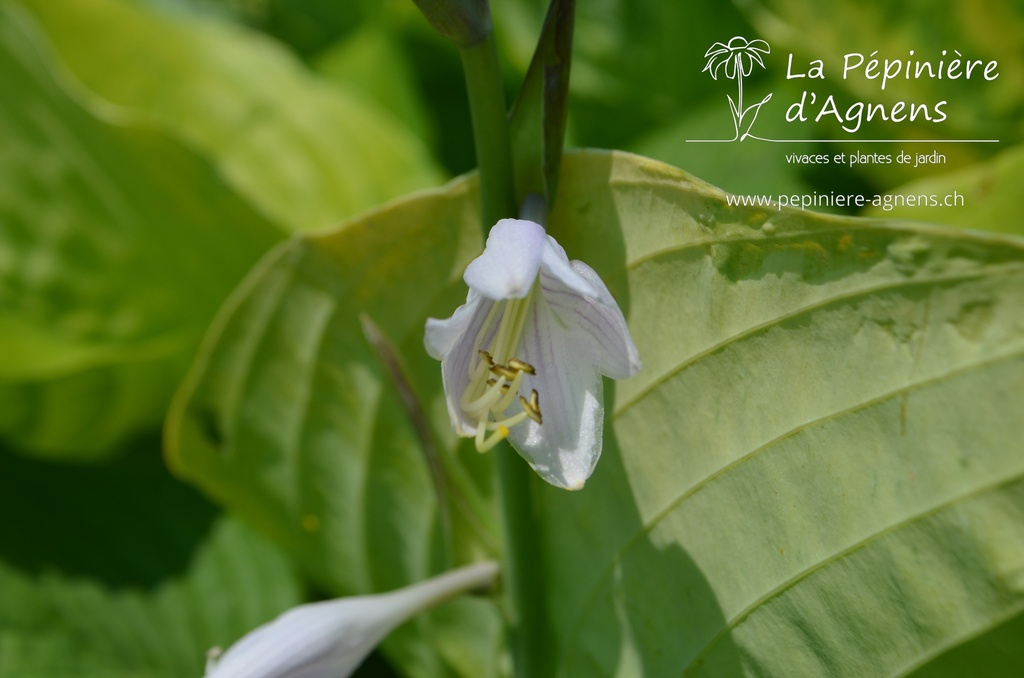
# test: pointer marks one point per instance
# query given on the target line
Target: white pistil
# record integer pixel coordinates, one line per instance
(486, 398)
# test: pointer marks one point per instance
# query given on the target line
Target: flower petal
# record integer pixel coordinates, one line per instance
(330, 639)
(575, 334)
(442, 335)
(510, 261)
(597, 320)
(565, 448)
(452, 341)
(556, 266)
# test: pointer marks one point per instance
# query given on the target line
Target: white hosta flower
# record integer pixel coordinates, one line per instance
(523, 357)
(330, 639)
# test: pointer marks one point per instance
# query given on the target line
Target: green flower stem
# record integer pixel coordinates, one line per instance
(521, 566)
(490, 130)
(522, 574)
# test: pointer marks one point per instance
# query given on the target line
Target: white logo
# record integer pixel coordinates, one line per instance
(736, 60)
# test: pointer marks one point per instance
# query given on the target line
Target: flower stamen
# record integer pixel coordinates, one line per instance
(486, 444)
(521, 366)
(504, 387)
(497, 375)
(531, 407)
(504, 372)
(485, 402)
(510, 394)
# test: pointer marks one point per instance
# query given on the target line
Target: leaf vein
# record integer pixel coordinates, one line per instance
(262, 317)
(306, 384)
(745, 613)
(797, 313)
(940, 649)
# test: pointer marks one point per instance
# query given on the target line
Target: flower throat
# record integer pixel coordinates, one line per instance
(495, 374)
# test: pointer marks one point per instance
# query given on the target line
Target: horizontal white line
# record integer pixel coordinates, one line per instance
(851, 141)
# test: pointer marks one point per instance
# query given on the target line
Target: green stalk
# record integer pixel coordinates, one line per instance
(521, 558)
(490, 130)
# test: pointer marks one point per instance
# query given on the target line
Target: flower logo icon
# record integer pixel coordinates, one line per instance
(736, 60)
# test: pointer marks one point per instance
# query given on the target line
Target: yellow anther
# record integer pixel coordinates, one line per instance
(486, 357)
(503, 371)
(532, 407)
(521, 366)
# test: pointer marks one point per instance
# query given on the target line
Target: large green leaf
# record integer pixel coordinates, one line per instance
(308, 153)
(116, 248)
(118, 571)
(356, 63)
(818, 471)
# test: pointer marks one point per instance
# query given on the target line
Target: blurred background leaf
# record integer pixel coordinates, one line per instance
(308, 154)
(989, 30)
(990, 190)
(116, 247)
(976, 108)
(119, 570)
(356, 63)
(638, 83)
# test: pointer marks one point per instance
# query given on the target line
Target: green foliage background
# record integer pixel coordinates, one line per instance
(818, 472)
